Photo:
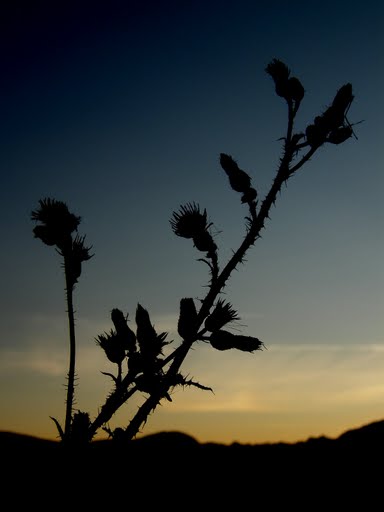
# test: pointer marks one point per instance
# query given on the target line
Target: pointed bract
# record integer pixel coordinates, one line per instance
(150, 343)
(187, 323)
(128, 337)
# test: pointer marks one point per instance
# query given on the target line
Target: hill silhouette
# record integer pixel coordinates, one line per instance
(345, 469)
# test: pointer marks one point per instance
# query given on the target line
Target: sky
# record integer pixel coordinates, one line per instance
(121, 110)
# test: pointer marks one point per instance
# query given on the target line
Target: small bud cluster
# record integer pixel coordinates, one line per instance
(332, 126)
(142, 350)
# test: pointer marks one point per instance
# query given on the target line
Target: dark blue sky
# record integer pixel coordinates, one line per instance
(121, 109)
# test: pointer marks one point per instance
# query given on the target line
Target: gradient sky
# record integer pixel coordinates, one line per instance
(121, 110)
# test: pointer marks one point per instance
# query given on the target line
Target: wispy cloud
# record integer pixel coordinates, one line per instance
(287, 378)
(34, 360)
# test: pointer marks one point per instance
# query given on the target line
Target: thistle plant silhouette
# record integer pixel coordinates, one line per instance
(56, 228)
(141, 366)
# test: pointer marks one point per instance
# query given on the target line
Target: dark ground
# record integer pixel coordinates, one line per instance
(172, 471)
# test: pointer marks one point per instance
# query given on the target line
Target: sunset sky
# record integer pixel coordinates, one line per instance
(121, 109)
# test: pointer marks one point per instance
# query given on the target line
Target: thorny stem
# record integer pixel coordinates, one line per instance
(154, 399)
(217, 284)
(72, 350)
(305, 159)
(291, 117)
(118, 397)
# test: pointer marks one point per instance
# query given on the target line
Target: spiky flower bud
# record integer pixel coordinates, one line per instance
(289, 88)
(222, 314)
(343, 98)
(128, 337)
(187, 323)
(112, 346)
(76, 256)
(146, 334)
(332, 126)
(150, 343)
(225, 340)
(238, 179)
(189, 221)
(228, 164)
(280, 74)
(57, 223)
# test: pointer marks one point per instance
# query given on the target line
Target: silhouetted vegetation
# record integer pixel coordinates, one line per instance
(332, 472)
(138, 354)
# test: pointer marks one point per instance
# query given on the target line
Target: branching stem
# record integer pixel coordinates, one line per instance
(218, 283)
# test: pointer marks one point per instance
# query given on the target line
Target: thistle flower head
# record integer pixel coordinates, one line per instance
(222, 314)
(289, 88)
(57, 222)
(278, 70)
(189, 221)
(112, 346)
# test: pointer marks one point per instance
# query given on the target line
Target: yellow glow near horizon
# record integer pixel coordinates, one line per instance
(286, 393)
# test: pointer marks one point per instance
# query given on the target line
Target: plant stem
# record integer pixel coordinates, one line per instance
(219, 280)
(257, 224)
(118, 397)
(72, 350)
(154, 399)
